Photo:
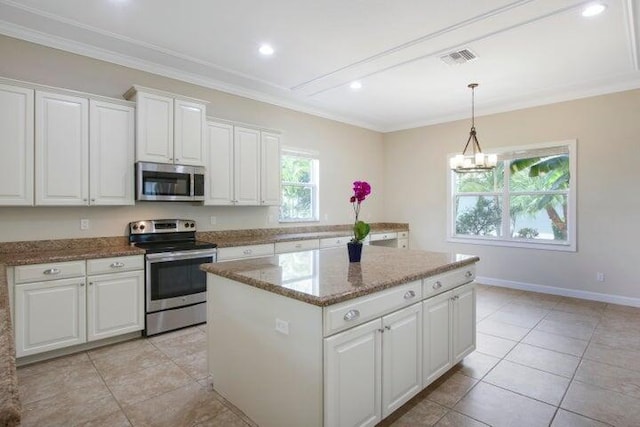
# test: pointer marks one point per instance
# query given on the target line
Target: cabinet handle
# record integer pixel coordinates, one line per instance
(51, 271)
(468, 274)
(117, 264)
(82, 284)
(351, 315)
(247, 252)
(409, 295)
(90, 284)
(177, 160)
(455, 297)
(93, 200)
(388, 328)
(381, 330)
(437, 285)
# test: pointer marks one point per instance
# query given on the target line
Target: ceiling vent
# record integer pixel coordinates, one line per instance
(459, 57)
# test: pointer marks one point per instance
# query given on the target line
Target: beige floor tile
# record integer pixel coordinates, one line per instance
(194, 364)
(483, 313)
(188, 342)
(225, 418)
(41, 368)
(147, 383)
(572, 346)
(546, 360)
(524, 319)
(536, 299)
(493, 346)
(170, 336)
(627, 359)
(449, 391)
(574, 318)
(115, 349)
(528, 381)
(578, 330)
(569, 419)
(476, 365)
(610, 377)
(498, 407)
(185, 406)
(502, 330)
(80, 373)
(455, 419)
(575, 305)
(424, 413)
(71, 407)
(115, 419)
(128, 361)
(603, 405)
(629, 340)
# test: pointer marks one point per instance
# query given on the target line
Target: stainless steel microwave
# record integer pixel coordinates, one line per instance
(165, 182)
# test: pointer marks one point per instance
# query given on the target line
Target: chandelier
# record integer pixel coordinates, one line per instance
(472, 158)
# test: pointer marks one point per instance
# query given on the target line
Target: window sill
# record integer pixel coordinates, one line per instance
(546, 246)
(293, 221)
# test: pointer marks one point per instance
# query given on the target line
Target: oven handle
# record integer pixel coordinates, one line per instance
(175, 256)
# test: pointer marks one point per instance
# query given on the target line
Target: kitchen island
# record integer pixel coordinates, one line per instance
(307, 338)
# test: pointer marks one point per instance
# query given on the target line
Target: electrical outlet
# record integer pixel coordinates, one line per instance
(84, 224)
(213, 220)
(600, 277)
(282, 326)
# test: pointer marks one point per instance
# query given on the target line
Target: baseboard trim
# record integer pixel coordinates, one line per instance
(574, 293)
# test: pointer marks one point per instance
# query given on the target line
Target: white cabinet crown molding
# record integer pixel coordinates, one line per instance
(137, 88)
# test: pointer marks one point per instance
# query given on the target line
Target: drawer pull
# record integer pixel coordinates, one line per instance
(117, 264)
(51, 271)
(437, 285)
(388, 328)
(247, 252)
(409, 295)
(468, 274)
(351, 315)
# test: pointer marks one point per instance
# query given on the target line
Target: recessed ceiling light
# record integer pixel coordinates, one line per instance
(355, 85)
(593, 10)
(266, 50)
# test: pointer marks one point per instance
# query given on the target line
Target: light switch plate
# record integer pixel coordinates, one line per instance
(282, 326)
(84, 224)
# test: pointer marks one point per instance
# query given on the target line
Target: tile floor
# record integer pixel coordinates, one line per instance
(541, 360)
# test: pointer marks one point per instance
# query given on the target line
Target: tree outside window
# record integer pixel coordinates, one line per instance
(527, 200)
(299, 187)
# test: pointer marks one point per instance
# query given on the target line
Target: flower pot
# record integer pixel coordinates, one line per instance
(355, 251)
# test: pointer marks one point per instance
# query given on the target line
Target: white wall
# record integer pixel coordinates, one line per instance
(607, 129)
(340, 148)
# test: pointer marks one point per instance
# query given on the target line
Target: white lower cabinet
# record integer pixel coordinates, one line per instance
(49, 315)
(449, 330)
(115, 304)
(53, 310)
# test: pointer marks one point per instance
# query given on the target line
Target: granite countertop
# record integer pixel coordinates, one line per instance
(66, 254)
(325, 277)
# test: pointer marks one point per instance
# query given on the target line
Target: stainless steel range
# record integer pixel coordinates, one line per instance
(175, 286)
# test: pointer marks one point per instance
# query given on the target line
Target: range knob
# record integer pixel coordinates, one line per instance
(187, 225)
(135, 226)
(193, 225)
(141, 226)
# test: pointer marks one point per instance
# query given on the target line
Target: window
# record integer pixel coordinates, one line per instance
(299, 186)
(528, 200)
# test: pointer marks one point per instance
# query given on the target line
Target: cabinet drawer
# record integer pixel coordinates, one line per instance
(49, 271)
(442, 282)
(403, 234)
(354, 312)
(298, 245)
(115, 264)
(384, 236)
(239, 252)
(332, 242)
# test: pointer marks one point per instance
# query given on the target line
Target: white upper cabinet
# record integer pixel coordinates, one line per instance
(62, 149)
(219, 184)
(246, 166)
(111, 150)
(169, 128)
(16, 145)
(270, 169)
(243, 166)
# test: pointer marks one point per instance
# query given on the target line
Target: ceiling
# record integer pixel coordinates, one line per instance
(529, 52)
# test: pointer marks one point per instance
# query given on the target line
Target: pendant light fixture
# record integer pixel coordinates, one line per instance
(472, 158)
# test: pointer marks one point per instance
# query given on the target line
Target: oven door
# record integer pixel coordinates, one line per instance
(174, 279)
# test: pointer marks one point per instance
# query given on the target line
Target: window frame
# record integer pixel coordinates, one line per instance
(314, 185)
(570, 245)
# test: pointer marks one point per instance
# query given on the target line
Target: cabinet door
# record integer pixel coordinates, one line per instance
(62, 149)
(16, 145)
(49, 315)
(246, 174)
(270, 169)
(401, 357)
(352, 376)
(464, 321)
(189, 133)
(115, 304)
(111, 149)
(436, 346)
(219, 184)
(154, 128)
